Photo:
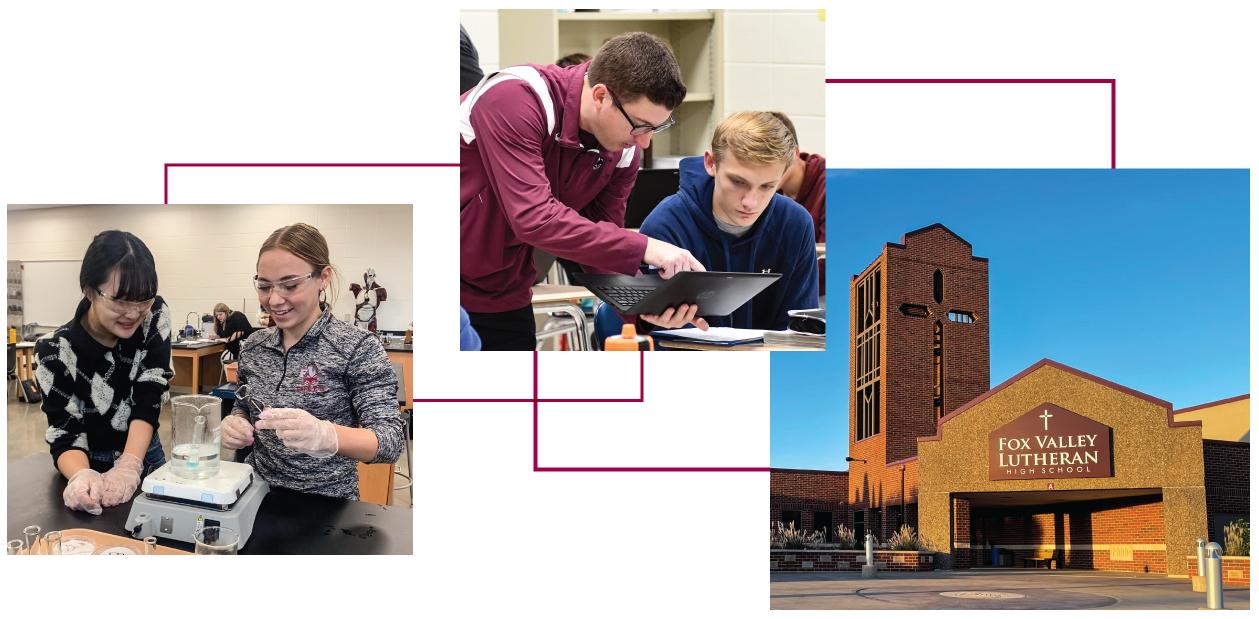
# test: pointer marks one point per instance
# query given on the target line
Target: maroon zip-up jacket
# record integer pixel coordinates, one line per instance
(529, 177)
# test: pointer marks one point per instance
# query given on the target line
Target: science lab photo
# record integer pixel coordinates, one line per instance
(642, 179)
(209, 379)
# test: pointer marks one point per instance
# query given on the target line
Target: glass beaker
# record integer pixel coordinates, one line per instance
(150, 545)
(216, 541)
(32, 539)
(14, 547)
(52, 543)
(195, 432)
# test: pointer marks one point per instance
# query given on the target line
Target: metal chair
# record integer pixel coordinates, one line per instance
(406, 428)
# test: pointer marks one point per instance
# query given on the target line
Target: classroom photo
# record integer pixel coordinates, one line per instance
(642, 180)
(209, 379)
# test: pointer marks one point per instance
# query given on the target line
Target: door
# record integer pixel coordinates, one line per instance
(822, 522)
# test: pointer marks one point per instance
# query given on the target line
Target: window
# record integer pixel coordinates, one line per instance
(868, 342)
(910, 309)
(962, 317)
(937, 286)
(938, 356)
(822, 523)
(859, 528)
(791, 516)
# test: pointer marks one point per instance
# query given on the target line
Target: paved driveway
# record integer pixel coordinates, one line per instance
(990, 588)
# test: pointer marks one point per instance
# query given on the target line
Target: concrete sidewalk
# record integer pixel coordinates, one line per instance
(993, 589)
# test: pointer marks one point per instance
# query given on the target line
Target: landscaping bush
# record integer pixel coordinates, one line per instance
(844, 538)
(905, 539)
(1237, 539)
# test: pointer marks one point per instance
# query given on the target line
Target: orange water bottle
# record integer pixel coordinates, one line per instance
(628, 340)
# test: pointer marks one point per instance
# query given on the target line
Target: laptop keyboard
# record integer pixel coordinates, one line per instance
(625, 296)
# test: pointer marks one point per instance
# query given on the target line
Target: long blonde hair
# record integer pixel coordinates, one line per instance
(754, 138)
(306, 243)
(227, 313)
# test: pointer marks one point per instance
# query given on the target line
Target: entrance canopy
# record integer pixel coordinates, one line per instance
(1025, 498)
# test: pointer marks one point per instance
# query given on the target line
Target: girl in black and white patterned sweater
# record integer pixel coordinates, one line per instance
(105, 375)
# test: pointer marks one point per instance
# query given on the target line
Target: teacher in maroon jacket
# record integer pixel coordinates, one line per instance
(547, 158)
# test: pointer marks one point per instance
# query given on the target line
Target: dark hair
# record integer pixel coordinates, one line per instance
(637, 64)
(572, 60)
(115, 249)
(787, 121)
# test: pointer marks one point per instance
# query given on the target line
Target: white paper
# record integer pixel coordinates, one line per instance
(715, 334)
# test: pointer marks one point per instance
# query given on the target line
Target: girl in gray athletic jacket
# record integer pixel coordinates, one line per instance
(316, 396)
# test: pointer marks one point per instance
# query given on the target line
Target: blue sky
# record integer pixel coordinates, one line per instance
(1137, 276)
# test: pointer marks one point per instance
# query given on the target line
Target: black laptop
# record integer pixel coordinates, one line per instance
(716, 293)
(651, 187)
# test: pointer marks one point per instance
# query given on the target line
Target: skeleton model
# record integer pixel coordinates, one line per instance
(367, 300)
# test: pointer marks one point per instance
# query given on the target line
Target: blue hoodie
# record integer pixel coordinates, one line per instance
(781, 240)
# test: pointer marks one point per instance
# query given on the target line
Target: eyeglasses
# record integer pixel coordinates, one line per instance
(285, 287)
(122, 308)
(639, 129)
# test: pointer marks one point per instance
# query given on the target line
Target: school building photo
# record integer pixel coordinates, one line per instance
(1051, 377)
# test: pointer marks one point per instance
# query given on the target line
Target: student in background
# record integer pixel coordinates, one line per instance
(469, 62)
(230, 327)
(468, 338)
(805, 182)
(728, 215)
(572, 60)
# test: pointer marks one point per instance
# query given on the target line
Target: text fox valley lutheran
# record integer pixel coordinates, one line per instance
(1075, 447)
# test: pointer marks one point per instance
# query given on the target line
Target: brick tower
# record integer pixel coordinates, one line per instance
(918, 350)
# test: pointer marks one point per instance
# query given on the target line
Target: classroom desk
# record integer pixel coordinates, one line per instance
(739, 347)
(202, 374)
(25, 354)
(549, 298)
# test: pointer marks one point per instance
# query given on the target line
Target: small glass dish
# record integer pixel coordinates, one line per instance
(118, 549)
(77, 545)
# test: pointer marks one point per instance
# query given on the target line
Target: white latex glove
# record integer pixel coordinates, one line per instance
(122, 480)
(301, 431)
(83, 492)
(236, 432)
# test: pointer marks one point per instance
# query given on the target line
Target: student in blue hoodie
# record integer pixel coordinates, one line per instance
(727, 214)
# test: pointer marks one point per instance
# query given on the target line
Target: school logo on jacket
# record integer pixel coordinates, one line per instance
(310, 379)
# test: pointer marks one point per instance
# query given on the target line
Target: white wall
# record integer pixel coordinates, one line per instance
(774, 61)
(205, 254)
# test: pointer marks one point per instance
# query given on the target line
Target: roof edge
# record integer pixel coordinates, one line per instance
(1171, 420)
(900, 462)
(1245, 396)
(774, 470)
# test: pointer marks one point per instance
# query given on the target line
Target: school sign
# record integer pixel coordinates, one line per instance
(1049, 442)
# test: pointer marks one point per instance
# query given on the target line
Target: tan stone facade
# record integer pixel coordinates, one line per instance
(1151, 452)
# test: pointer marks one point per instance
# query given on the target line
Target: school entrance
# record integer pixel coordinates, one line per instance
(1104, 529)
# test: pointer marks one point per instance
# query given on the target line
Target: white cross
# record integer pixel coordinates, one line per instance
(1046, 417)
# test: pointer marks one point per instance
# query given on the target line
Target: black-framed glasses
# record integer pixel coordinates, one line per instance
(639, 129)
(121, 307)
(285, 286)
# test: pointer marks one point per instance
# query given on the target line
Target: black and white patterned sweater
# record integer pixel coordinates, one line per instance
(337, 373)
(93, 392)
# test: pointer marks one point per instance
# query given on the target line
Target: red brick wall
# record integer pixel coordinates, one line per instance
(808, 491)
(1236, 570)
(1227, 468)
(848, 561)
(1129, 520)
(961, 534)
(909, 375)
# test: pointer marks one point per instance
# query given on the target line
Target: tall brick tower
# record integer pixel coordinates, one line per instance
(918, 350)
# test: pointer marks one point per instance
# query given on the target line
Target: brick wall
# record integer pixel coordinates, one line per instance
(848, 561)
(807, 492)
(961, 534)
(1236, 570)
(1227, 470)
(1085, 531)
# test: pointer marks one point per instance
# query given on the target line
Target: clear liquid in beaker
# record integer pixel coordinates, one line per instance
(195, 460)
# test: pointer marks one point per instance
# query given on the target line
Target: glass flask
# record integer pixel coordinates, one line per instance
(32, 539)
(15, 547)
(52, 543)
(195, 434)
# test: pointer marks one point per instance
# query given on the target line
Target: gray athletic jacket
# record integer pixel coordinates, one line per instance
(335, 372)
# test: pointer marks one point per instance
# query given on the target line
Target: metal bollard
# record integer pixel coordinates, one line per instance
(1215, 577)
(1202, 556)
(868, 570)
